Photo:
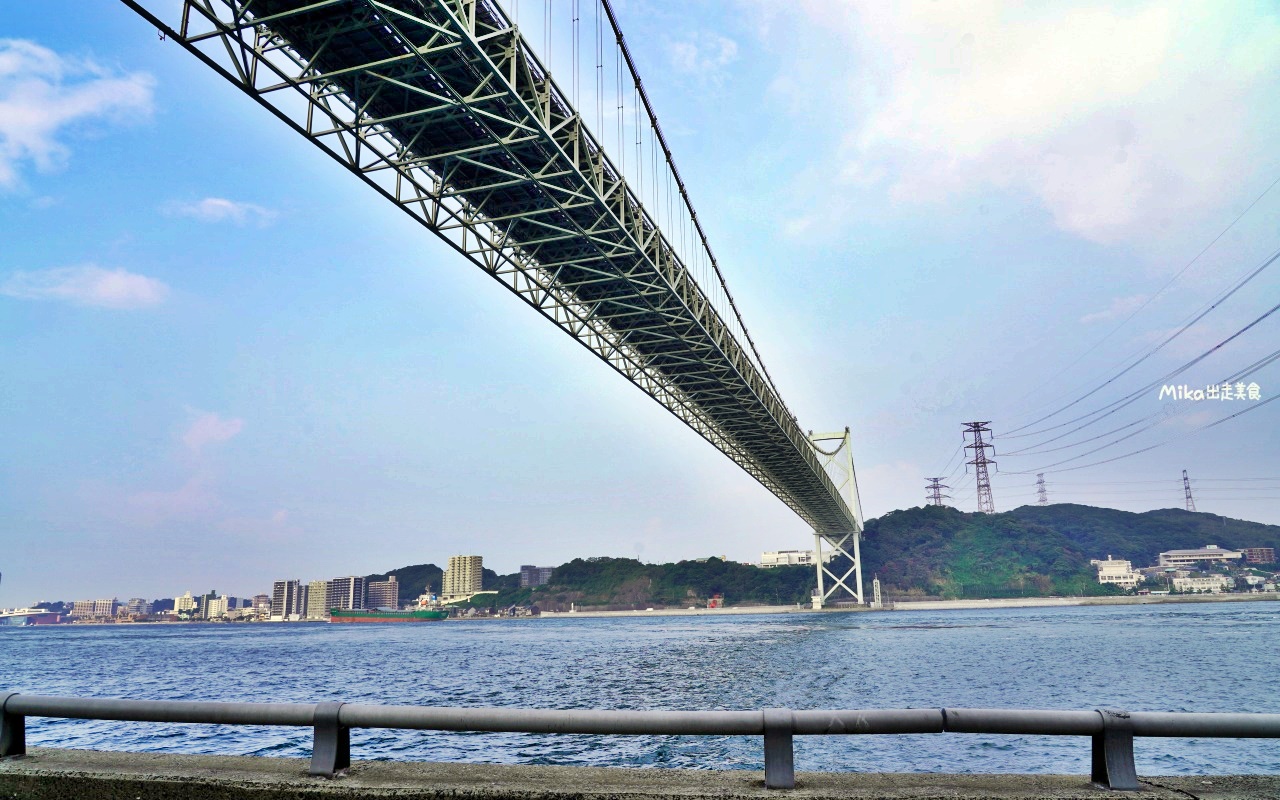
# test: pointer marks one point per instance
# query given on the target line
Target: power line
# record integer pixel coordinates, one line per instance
(1161, 290)
(1150, 352)
(1132, 397)
(1201, 429)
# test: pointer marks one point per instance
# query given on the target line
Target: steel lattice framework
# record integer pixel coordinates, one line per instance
(442, 107)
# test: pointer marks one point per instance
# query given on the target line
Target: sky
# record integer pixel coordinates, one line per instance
(226, 361)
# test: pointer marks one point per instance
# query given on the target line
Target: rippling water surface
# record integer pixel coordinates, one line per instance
(1200, 657)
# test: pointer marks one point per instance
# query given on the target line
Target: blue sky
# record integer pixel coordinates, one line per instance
(226, 361)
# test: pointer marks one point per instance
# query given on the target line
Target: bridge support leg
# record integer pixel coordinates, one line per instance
(13, 730)
(1113, 765)
(779, 755)
(838, 465)
(331, 748)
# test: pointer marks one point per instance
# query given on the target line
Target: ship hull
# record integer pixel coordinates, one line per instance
(348, 616)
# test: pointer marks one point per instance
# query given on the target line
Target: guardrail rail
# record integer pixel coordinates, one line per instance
(1112, 732)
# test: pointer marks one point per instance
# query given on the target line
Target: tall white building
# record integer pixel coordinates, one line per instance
(185, 603)
(463, 578)
(216, 607)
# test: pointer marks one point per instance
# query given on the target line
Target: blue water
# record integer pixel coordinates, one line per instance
(1195, 657)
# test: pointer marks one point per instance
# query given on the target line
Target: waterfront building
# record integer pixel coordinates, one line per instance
(185, 604)
(534, 576)
(346, 593)
(463, 578)
(286, 599)
(1210, 552)
(95, 609)
(317, 600)
(1202, 583)
(216, 607)
(1260, 555)
(383, 594)
(1117, 572)
(785, 558)
(262, 606)
(136, 607)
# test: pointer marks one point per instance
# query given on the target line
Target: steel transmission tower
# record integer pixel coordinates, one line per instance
(1186, 489)
(935, 488)
(986, 504)
(1042, 495)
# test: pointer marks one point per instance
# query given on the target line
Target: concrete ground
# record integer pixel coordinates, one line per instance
(47, 774)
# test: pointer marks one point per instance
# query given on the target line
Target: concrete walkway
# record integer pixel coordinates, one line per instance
(47, 774)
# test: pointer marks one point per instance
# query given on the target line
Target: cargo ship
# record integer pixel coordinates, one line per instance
(380, 615)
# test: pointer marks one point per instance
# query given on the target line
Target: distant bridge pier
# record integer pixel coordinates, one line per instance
(837, 462)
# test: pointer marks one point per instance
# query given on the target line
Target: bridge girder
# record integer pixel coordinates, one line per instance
(441, 107)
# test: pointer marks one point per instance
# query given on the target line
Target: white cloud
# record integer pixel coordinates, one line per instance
(703, 54)
(42, 93)
(219, 209)
(210, 428)
(1116, 120)
(1120, 307)
(87, 285)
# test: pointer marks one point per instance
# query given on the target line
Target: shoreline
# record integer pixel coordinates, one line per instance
(906, 605)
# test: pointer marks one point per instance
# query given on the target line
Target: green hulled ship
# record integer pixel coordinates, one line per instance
(378, 615)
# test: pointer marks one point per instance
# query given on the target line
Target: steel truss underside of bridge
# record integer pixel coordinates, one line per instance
(443, 109)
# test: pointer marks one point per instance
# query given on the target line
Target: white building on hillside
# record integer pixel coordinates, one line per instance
(1210, 552)
(1116, 572)
(1202, 583)
(785, 558)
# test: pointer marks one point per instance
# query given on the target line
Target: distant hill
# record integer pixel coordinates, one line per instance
(1033, 550)
(918, 552)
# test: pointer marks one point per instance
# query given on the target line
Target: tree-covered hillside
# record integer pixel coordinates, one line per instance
(1033, 550)
(930, 551)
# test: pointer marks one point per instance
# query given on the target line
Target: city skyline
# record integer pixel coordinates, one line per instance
(224, 353)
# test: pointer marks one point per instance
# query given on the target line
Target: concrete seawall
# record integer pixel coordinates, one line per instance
(47, 774)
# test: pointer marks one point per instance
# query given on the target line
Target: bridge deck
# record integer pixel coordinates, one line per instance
(443, 108)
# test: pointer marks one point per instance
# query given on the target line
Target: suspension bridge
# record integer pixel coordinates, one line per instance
(445, 109)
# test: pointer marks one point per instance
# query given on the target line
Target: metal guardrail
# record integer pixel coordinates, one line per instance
(1112, 732)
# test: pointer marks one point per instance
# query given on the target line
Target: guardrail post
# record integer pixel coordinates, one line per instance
(1113, 752)
(13, 730)
(331, 748)
(779, 756)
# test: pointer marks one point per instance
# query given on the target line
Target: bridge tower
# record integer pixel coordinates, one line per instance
(838, 464)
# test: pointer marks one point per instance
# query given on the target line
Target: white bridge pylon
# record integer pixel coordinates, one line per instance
(837, 461)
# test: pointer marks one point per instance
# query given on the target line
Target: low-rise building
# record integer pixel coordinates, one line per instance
(1202, 583)
(1210, 553)
(95, 609)
(1259, 555)
(1117, 572)
(136, 607)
